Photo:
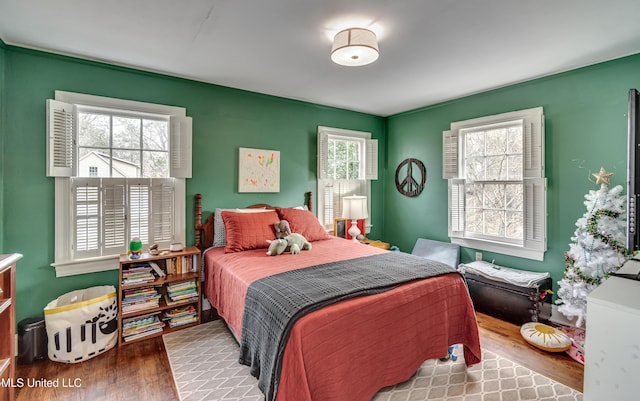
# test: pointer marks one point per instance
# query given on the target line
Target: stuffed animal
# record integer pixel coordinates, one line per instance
(276, 247)
(297, 242)
(282, 229)
(293, 242)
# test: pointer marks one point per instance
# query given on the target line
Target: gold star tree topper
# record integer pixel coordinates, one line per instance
(602, 177)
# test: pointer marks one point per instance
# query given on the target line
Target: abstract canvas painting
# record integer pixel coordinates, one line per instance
(259, 170)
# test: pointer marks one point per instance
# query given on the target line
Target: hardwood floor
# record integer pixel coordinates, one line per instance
(141, 371)
(504, 339)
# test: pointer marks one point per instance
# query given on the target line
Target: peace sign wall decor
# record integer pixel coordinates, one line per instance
(407, 171)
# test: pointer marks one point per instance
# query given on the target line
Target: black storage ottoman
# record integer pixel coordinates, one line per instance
(510, 302)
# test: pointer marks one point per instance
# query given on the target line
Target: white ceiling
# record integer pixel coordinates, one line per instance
(430, 50)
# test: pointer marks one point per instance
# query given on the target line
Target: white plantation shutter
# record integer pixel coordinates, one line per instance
(114, 214)
(533, 131)
(450, 154)
(61, 137)
(181, 132)
(535, 235)
(86, 215)
(139, 209)
(99, 212)
(327, 211)
(450, 171)
(535, 185)
(323, 154)
(162, 211)
(151, 205)
(108, 212)
(456, 208)
(371, 159)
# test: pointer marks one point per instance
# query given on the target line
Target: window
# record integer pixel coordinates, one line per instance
(347, 162)
(123, 145)
(497, 188)
(120, 168)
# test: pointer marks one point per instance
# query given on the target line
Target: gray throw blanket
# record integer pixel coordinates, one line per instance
(274, 303)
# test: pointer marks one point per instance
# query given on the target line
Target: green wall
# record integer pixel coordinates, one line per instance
(224, 119)
(586, 128)
(2, 122)
(586, 121)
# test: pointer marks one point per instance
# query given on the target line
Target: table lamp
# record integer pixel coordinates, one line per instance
(354, 208)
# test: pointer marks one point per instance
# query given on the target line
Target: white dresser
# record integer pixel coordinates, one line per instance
(612, 344)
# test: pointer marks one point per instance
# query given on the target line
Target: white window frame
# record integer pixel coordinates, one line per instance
(368, 170)
(62, 164)
(534, 241)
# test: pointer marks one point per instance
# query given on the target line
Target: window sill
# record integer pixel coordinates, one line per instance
(83, 266)
(496, 247)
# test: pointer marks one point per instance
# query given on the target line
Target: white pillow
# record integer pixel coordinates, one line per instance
(219, 232)
(545, 337)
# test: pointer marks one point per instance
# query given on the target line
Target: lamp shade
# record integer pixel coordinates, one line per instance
(354, 47)
(354, 207)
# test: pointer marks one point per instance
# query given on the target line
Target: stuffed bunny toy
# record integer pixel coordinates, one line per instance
(282, 229)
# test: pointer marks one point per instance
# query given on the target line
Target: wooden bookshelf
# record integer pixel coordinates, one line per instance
(8, 325)
(178, 267)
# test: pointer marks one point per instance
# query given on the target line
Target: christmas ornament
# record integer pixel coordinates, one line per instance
(602, 177)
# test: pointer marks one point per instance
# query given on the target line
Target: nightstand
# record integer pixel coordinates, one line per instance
(376, 243)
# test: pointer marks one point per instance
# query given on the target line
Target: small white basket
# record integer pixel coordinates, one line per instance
(82, 324)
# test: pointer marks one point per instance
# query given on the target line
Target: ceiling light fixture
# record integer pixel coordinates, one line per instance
(354, 47)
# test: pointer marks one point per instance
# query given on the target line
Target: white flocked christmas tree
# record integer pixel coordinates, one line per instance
(598, 247)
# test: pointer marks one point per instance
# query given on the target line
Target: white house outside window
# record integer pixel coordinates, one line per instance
(497, 188)
(120, 168)
(347, 162)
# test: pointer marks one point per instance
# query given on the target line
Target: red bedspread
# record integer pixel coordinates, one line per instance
(350, 350)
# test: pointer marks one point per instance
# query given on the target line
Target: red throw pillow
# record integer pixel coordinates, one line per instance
(248, 230)
(304, 223)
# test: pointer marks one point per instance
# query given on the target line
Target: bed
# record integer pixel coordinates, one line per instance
(347, 350)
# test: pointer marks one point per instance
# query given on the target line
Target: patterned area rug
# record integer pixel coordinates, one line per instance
(204, 362)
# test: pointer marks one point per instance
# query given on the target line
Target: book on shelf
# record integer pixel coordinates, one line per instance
(138, 273)
(182, 322)
(138, 299)
(170, 301)
(180, 316)
(134, 328)
(181, 286)
(176, 296)
(179, 311)
(182, 264)
(181, 291)
(131, 337)
(157, 269)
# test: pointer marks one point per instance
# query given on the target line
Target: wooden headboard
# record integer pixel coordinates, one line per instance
(204, 231)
